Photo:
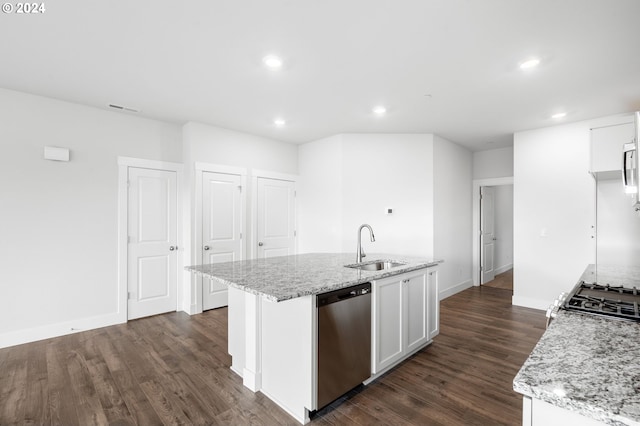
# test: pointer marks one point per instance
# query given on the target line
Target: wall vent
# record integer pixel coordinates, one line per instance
(123, 108)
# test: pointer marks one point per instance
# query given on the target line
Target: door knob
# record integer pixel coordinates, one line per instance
(172, 248)
(260, 244)
(207, 247)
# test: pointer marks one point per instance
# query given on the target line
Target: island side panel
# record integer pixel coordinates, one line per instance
(289, 346)
(236, 330)
(252, 373)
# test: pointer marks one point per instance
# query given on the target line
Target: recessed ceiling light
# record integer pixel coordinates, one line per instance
(272, 62)
(279, 122)
(559, 115)
(530, 63)
(379, 110)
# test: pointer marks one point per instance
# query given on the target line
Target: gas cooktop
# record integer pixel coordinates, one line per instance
(614, 301)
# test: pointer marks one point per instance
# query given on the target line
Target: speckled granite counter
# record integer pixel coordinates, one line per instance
(288, 277)
(588, 364)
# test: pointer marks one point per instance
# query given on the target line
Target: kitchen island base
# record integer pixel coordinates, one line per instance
(273, 345)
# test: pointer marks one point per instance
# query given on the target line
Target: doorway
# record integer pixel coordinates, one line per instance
(221, 230)
(275, 216)
(493, 232)
(149, 236)
(219, 227)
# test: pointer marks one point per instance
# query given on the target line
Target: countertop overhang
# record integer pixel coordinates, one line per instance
(587, 364)
(287, 277)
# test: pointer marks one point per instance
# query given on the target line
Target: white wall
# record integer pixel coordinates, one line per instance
(351, 179)
(554, 209)
(320, 196)
(503, 256)
(618, 236)
(58, 221)
(212, 144)
(452, 215)
(425, 179)
(493, 163)
(388, 170)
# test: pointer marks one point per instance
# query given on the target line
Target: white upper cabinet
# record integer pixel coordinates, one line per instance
(606, 148)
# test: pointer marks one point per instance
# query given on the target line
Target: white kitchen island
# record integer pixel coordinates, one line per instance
(273, 318)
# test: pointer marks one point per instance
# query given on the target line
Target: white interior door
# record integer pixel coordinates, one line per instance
(152, 259)
(275, 218)
(221, 230)
(487, 234)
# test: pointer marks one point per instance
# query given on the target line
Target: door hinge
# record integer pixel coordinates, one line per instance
(481, 268)
(128, 239)
(295, 194)
(240, 188)
(295, 233)
(129, 295)
(241, 235)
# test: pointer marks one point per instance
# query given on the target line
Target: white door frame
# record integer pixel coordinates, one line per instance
(253, 252)
(123, 224)
(200, 168)
(477, 183)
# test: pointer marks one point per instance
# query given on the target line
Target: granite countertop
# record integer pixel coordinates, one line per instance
(288, 277)
(587, 364)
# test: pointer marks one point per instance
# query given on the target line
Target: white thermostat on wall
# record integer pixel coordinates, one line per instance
(56, 154)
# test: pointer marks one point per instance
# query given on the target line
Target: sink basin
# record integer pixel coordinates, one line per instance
(376, 265)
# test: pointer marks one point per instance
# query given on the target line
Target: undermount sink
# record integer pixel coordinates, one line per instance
(376, 265)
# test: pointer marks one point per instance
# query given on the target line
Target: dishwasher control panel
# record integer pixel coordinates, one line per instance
(342, 294)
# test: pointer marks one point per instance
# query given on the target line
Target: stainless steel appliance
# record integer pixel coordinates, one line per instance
(599, 299)
(344, 341)
(630, 164)
(613, 301)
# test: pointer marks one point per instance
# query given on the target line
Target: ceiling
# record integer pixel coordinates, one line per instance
(449, 67)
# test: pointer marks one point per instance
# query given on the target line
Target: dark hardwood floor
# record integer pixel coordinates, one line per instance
(503, 281)
(174, 369)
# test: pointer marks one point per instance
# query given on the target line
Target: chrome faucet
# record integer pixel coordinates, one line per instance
(360, 253)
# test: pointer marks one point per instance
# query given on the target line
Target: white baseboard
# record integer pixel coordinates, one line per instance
(455, 289)
(528, 302)
(504, 268)
(192, 309)
(18, 337)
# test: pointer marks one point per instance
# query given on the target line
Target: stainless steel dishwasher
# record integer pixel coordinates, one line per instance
(344, 341)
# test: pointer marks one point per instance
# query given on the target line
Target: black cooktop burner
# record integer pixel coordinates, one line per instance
(593, 298)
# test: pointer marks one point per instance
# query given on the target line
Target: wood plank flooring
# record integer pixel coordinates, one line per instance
(503, 280)
(174, 369)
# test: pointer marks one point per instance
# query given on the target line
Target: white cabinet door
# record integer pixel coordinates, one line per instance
(416, 294)
(221, 230)
(401, 317)
(388, 323)
(433, 304)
